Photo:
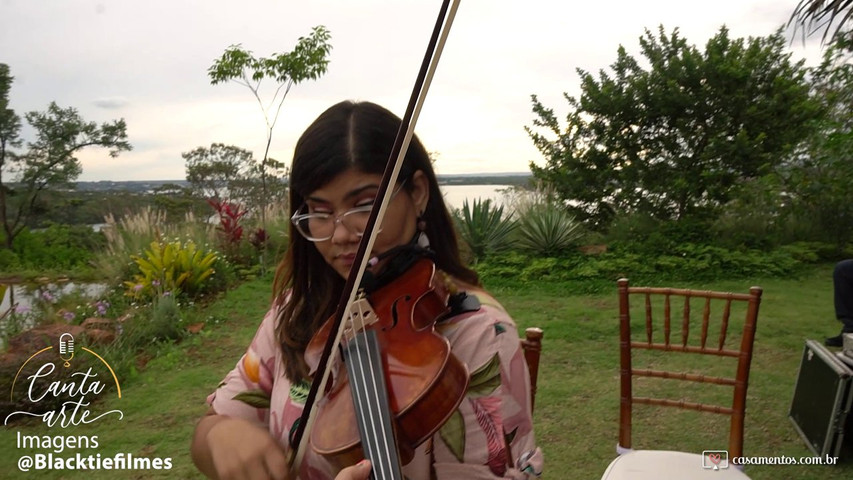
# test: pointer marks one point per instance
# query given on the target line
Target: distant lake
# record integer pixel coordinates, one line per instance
(455, 195)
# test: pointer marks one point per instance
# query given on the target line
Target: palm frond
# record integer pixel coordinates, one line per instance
(814, 15)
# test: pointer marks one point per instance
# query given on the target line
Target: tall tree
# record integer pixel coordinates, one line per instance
(229, 173)
(212, 172)
(308, 61)
(817, 182)
(10, 130)
(671, 140)
(50, 161)
(261, 186)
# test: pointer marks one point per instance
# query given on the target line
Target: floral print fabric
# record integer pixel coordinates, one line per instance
(489, 436)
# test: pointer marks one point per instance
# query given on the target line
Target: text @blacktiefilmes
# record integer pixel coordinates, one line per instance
(56, 460)
(119, 461)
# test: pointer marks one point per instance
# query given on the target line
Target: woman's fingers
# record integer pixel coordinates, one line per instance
(360, 471)
(276, 464)
(241, 450)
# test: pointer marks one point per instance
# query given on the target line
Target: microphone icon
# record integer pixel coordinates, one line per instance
(66, 347)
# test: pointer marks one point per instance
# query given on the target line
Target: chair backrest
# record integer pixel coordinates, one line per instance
(742, 354)
(532, 346)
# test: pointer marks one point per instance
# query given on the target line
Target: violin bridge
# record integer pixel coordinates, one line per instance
(361, 315)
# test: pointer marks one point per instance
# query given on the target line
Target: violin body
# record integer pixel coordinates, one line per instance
(425, 382)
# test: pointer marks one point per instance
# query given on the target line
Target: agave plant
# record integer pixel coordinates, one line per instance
(484, 227)
(546, 228)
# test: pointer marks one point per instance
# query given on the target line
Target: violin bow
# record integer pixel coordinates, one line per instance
(392, 170)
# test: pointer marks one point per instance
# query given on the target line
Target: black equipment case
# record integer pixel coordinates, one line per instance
(823, 394)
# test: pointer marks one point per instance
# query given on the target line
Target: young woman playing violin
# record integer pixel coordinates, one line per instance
(336, 171)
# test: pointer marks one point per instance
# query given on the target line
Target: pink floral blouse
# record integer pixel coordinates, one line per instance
(491, 429)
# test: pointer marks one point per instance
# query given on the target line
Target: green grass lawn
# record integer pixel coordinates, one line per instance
(577, 404)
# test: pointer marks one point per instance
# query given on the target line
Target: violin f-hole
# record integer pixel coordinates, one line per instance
(395, 317)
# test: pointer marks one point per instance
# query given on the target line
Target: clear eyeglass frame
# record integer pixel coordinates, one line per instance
(300, 220)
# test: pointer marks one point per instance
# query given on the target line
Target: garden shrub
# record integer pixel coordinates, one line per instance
(57, 247)
(224, 276)
(9, 261)
(504, 265)
(541, 268)
(686, 262)
(160, 321)
(174, 267)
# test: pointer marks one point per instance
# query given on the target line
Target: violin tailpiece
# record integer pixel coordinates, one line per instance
(361, 315)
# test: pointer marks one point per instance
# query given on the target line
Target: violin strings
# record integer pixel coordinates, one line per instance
(356, 360)
(445, 29)
(384, 445)
(365, 384)
(378, 433)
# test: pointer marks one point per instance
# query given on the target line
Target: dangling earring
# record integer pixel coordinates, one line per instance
(423, 240)
(421, 223)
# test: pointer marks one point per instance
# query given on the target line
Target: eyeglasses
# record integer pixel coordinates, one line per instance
(318, 227)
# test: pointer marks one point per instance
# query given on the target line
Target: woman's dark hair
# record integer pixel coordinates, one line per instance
(348, 135)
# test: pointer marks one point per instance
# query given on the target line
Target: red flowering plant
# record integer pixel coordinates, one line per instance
(230, 229)
(259, 238)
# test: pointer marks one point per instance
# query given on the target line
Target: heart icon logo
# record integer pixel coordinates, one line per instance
(714, 458)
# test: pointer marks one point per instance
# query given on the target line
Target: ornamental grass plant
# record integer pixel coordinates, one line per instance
(134, 232)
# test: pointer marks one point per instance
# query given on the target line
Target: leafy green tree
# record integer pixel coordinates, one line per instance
(262, 186)
(818, 180)
(50, 161)
(10, 123)
(213, 172)
(673, 139)
(10, 130)
(177, 201)
(229, 173)
(307, 61)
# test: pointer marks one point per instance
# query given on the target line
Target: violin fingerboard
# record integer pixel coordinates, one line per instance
(373, 411)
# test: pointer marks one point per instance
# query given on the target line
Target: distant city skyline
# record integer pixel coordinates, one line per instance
(147, 62)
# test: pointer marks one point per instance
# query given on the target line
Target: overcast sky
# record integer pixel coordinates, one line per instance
(146, 61)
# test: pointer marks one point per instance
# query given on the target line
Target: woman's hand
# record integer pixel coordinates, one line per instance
(238, 449)
(359, 471)
(229, 448)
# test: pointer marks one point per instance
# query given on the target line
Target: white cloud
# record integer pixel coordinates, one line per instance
(110, 103)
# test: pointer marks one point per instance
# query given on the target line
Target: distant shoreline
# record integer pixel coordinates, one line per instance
(511, 178)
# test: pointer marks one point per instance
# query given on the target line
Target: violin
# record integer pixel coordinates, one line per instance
(424, 381)
(389, 344)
